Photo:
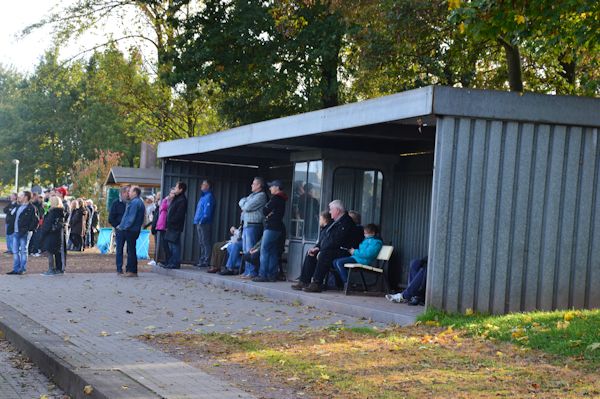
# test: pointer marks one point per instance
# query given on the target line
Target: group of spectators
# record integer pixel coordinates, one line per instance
(48, 224)
(165, 217)
(254, 250)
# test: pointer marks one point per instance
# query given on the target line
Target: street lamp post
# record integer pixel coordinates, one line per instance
(16, 162)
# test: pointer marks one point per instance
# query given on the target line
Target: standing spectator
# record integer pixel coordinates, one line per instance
(52, 236)
(149, 212)
(26, 221)
(35, 242)
(269, 249)
(62, 192)
(175, 222)
(89, 233)
(203, 222)
(252, 220)
(161, 228)
(130, 227)
(9, 211)
(117, 210)
(76, 221)
(85, 216)
(153, 228)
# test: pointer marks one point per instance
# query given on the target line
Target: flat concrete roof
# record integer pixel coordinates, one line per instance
(145, 177)
(408, 107)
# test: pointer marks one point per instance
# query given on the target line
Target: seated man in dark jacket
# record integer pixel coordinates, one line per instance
(333, 243)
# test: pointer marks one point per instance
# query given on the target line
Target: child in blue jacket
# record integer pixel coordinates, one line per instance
(366, 252)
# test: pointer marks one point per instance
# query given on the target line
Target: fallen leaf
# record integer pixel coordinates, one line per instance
(88, 390)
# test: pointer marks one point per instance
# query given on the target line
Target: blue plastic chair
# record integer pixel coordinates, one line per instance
(142, 245)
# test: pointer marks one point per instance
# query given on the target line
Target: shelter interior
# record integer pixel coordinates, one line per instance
(384, 171)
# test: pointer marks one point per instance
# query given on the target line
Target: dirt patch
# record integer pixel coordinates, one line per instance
(409, 362)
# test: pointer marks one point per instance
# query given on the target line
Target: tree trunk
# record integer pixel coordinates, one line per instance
(513, 63)
(568, 73)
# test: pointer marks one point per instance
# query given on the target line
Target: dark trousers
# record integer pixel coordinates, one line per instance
(417, 278)
(315, 268)
(174, 254)
(204, 238)
(119, 244)
(130, 238)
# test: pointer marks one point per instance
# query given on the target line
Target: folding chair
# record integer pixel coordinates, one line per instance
(380, 271)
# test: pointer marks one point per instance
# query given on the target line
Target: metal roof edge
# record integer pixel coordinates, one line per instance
(523, 107)
(408, 104)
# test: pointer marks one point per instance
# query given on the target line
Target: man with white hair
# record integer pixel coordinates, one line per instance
(333, 243)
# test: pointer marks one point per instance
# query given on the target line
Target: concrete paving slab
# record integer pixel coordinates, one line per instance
(89, 322)
(377, 309)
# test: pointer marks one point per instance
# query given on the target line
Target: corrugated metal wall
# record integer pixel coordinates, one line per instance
(411, 210)
(231, 182)
(515, 216)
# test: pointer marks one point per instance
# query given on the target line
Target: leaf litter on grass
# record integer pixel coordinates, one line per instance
(417, 361)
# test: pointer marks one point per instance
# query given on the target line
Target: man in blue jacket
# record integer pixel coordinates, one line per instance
(130, 227)
(203, 222)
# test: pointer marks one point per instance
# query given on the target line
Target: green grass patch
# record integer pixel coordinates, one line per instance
(566, 333)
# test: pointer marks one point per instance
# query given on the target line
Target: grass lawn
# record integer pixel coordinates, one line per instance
(442, 356)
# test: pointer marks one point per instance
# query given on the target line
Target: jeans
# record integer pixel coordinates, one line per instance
(9, 242)
(250, 236)
(120, 243)
(204, 239)
(269, 254)
(417, 278)
(339, 265)
(234, 259)
(20, 245)
(130, 238)
(174, 254)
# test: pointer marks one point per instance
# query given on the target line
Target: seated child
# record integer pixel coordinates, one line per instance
(366, 252)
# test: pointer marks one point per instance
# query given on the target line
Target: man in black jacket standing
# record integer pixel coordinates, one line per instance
(269, 248)
(335, 243)
(26, 221)
(117, 210)
(175, 223)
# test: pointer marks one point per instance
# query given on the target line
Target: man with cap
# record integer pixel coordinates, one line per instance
(269, 248)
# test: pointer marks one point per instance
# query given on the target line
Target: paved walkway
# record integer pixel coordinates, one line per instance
(98, 316)
(19, 379)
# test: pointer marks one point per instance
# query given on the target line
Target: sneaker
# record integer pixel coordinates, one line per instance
(49, 273)
(396, 298)
(247, 276)
(151, 263)
(12, 272)
(313, 287)
(299, 286)
(226, 272)
(416, 301)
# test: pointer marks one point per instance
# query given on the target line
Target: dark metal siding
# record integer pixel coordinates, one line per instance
(230, 183)
(515, 216)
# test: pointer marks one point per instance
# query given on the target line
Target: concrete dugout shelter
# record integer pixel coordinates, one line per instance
(500, 190)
